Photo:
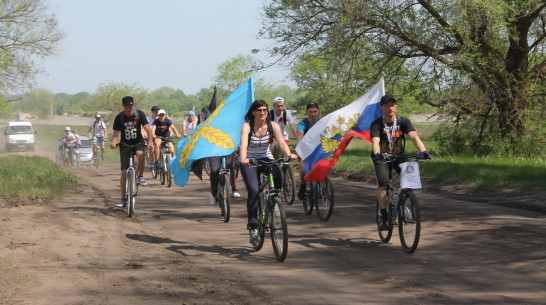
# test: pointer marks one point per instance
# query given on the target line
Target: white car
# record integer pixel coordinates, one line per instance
(85, 152)
(19, 135)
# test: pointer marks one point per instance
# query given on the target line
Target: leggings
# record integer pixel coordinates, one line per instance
(250, 176)
(215, 163)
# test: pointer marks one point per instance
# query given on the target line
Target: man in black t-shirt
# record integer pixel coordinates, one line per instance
(128, 126)
(388, 139)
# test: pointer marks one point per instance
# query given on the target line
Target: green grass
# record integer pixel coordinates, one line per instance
(28, 176)
(488, 172)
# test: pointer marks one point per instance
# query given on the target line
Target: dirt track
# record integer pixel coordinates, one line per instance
(177, 250)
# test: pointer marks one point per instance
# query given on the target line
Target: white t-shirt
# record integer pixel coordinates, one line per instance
(289, 120)
(98, 128)
(150, 120)
(189, 125)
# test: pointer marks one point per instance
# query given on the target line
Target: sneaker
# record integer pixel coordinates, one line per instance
(152, 166)
(121, 203)
(235, 194)
(142, 181)
(212, 200)
(254, 237)
(301, 192)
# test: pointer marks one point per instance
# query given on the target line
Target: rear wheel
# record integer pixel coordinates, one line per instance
(278, 229)
(161, 171)
(325, 199)
(262, 224)
(384, 235)
(308, 199)
(225, 201)
(97, 157)
(168, 171)
(289, 185)
(409, 222)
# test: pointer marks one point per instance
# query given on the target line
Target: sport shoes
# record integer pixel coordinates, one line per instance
(235, 194)
(152, 166)
(212, 200)
(121, 203)
(301, 192)
(142, 181)
(254, 237)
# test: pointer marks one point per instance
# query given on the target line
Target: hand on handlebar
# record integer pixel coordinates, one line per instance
(380, 156)
(424, 155)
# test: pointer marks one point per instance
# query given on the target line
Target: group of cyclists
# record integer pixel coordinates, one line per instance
(263, 130)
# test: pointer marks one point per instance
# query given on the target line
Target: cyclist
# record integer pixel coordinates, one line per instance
(282, 117)
(256, 136)
(205, 112)
(162, 128)
(189, 124)
(387, 134)
(312, 110)
(151, 118)
(215, 163)
(69, 141)
(97, 132)
(129, 123)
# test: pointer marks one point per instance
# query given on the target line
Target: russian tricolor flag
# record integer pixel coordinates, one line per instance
(322, 145)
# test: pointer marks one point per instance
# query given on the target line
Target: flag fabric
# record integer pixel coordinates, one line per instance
(197, 166)
(322, 145)
(214, 101)
(218, 135)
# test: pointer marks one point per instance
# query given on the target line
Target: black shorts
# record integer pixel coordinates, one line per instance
(125, 154)
(383, 171)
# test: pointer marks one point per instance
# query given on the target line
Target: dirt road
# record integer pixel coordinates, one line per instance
(82, 250)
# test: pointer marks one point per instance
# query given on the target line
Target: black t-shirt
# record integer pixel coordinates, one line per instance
(162, 128)
(130, 128)
(404, 126)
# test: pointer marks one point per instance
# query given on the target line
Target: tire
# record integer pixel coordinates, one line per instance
(97, 158)
(278, 229)
(289, 185)
(130, 192)
(262, 222)
(168, 171)
(161, 171)
(325, 199)
(308, 199)
(384, 236)
(409, 222)
(206, 166)
(225, 202)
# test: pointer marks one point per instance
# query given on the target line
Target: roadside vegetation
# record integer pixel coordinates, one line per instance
(33, 176)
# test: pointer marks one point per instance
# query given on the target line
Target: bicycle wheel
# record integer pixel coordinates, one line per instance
(409, 222)
(154, 171)
(308, 199)
(225, 202)
(384, 235)
(278, 228)
(262, 221)
(97, 158)
(130, 192)
(168, 171)
(161, 169)
(206, 166)
(289, 185)
(325, 202)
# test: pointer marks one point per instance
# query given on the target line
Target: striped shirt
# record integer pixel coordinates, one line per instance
(258, 147)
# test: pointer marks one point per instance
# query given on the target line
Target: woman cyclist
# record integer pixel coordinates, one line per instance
(257, 134)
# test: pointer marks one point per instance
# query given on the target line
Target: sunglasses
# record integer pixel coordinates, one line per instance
(260, 110)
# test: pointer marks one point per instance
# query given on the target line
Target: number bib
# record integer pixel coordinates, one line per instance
(409, 175)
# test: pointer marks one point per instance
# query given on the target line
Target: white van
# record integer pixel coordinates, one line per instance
(19, 135)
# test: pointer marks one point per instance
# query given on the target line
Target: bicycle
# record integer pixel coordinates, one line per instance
(289, 183)
(65, 155)
(223, 193)
(271, 215)
(319, 194)
(163, 169)
(131, 185)
(403, 206)
(97, 150)
(149, 160)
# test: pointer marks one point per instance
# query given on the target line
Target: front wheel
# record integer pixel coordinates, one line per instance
(308, 198)
(325, 199)
(130, 192)
(168, 171)
(278, 229)
(262, 221)
(225, 193)
(289, 185)
(384, 235)
(409, 222)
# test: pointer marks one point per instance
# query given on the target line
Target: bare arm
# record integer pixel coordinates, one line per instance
(149, 132)
(375, 145)
(416, 141)
(244, 143)
(293, 128)
(282, 144)
(89, 132)
(299, 136)
(114, 139)
(173, 128)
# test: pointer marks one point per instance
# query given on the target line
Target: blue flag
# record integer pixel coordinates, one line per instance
(218, 135)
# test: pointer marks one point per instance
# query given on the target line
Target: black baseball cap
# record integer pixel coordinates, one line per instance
(387, 97)
(127, 100)
(155, 108)
(312, 105)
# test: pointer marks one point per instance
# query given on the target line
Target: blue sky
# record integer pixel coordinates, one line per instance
(151, 43)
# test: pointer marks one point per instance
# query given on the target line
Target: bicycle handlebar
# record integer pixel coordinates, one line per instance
(258, 162)
(403, 158)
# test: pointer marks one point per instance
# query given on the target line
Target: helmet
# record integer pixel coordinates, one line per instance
(67, 128)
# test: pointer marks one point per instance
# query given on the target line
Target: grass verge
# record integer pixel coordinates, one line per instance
(33, 176)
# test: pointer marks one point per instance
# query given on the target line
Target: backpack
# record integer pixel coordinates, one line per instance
(95, 125)
(272, 115)
(135, 113)
(307, 125)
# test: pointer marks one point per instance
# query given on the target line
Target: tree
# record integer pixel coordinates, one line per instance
(479, 59)
(108, 97)
(28, 32)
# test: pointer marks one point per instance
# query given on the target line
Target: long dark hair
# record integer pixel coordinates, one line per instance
(249, 117)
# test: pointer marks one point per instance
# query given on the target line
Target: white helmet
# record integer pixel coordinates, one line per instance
(67, 128)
